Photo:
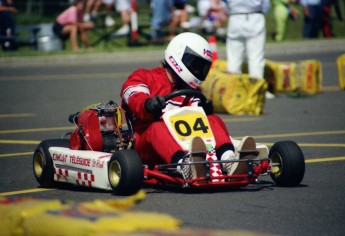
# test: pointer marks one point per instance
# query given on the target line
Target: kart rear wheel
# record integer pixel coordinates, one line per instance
(287, 161)
(125, 172)
(42, 161)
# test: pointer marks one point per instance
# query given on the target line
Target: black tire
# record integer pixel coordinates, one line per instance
(42, 163)
(125, 172)
(288, 164)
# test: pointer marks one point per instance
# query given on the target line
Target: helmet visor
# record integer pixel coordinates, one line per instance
(196, 64)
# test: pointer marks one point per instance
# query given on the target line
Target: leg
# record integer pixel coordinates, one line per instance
(156, 145)
(72, 31)
(281, 17)
(235, 55)
(235, 45)
(83, 33)
(255, 46)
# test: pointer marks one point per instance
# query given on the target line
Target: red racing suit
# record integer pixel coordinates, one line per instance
(152, 139)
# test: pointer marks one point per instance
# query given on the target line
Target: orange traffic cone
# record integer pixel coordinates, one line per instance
(212, 40)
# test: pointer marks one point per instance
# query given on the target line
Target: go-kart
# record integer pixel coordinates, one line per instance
(99, 154)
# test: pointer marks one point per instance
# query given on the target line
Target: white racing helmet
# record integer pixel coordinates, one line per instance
(189, 55)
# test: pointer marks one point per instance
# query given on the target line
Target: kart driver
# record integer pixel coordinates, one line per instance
(186, 64)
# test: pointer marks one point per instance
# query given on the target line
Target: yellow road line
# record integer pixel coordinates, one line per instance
(313, 144)
(19, 142)
(35, 130)
(109, 75)
(241, 119)
(16, 154)
(326, 159)
(300, 134)
(16, 115)
(35, 190)
(331, 88)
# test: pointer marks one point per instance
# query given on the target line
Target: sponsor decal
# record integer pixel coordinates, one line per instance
(97, 164)
(177, 67)
(79, 160)
(286, 79)
(310, 76)
(59, 157)
(208, 53)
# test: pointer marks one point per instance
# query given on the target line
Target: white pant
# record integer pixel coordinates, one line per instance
(246, 37)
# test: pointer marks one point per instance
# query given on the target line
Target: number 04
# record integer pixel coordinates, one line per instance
(183, 128)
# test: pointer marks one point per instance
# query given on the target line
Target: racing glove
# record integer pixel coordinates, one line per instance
(155, 105)
(208, 106)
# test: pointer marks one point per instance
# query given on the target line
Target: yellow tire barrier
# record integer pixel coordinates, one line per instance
(341, 71)
(304, 77)
(234, 94)
(29, 216)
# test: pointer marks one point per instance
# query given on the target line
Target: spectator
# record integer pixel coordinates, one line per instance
(312, 10)
(7, 22)
(179, 17)
(69, 24)
(282, 11)
(246, 36)
(326, 16)
(92, 8)
(214, 15)
(122, 6)
(161, 17)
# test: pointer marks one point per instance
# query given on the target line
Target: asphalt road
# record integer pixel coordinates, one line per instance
(36, 98)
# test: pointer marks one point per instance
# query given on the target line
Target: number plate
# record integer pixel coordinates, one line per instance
(190, 125)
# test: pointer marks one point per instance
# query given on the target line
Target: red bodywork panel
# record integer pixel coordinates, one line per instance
(88, 135)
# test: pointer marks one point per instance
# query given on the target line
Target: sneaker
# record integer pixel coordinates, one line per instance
(86, 18)
(109, 21)
(229, 167)
(124, 30)
(185, 170)
(198, 153)
(269, 95)
(247, 144)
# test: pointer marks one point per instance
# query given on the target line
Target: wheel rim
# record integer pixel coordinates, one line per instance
(276, 164)
(38, 164)
(114, 173)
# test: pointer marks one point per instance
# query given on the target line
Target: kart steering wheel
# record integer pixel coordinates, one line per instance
(188, 93)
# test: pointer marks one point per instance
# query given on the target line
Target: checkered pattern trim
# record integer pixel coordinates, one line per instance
(83, 179)
(215, 170)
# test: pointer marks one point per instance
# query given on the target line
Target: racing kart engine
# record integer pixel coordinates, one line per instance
(101, 127)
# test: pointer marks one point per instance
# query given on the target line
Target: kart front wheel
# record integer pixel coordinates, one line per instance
(125, 172)
(42, 162)
(287, 164)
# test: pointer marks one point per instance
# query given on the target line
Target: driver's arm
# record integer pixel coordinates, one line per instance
(135, 92)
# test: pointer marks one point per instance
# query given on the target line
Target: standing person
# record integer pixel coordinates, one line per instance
(187, 61)
(246, 37)
(312, 10)
(70, 23)
(282, 11)
(161, 16)
(326, 16)
(7, 22)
